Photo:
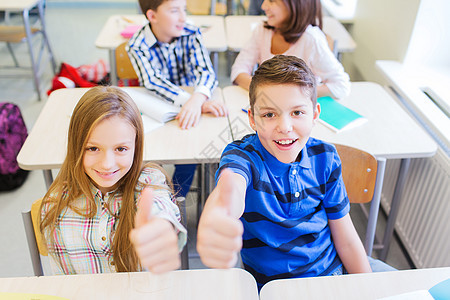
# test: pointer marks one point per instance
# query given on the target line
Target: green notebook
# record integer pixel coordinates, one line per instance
(338, 117)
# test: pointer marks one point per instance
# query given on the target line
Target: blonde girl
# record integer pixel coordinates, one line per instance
(89, 211)
(293, 27)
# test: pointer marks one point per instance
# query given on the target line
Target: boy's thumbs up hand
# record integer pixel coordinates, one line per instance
(219, 232)
(154, 239)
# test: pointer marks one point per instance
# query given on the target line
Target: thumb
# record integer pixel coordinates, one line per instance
(226, 189)
(144, 211)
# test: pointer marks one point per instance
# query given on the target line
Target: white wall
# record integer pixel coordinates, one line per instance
(430, 42)
(382, 30)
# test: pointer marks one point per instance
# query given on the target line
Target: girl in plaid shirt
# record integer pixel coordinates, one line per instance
(88, 214)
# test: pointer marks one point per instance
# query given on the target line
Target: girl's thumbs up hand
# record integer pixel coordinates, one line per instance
(219, 236)
(154, 239)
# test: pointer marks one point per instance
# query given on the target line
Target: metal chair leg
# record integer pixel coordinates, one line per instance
(44, 34)
(16, 63)
(26, 22)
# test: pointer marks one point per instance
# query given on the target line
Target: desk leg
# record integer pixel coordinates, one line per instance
(230, 7)
(206, 182)
(212, 10)
(26, 22)
(112, 66)
(184, 255)
(48, 178)
(374, 207)
(215, 61)
(201, 192)
(395, 205)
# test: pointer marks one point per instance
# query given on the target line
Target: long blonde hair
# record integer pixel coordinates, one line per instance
(96, 105)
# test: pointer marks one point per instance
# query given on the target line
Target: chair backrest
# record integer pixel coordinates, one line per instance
(202, 7)
(14, 34)
(361, 179)
(359, 171)
(36, 243)
(124, 67)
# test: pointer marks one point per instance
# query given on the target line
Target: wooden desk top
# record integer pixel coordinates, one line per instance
(45, 147)
(390, 132)
(205, 284)
(17, 5)
(212, 27)
(239, 30)
(356, 286)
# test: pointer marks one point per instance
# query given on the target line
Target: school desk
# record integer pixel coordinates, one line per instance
(24, 7)
(389, 133)
(212, 27)
(355, 286)
(343, 10)
(204, 284)
(239, 30)
(45, 146)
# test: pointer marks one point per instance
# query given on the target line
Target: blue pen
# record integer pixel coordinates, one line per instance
(244, 110)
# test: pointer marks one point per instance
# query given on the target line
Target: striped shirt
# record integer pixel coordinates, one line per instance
(84, 245)
(287, 208)
(163, 67)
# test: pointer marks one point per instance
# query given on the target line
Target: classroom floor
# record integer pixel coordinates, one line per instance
(72, 31)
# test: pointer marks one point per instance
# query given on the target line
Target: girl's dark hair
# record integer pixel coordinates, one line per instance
(302, 14)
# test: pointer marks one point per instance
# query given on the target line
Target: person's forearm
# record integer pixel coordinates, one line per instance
(234, 187)
(243, 80)
(355, 259)
(198, 97)
(348, 245)
(323, 90)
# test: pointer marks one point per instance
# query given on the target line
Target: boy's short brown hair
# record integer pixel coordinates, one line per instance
(284, 69)
(150, 4)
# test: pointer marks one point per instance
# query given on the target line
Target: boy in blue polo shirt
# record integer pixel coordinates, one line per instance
(285, 186)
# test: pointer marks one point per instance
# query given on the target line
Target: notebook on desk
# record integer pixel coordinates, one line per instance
(128, 31)
(338, 117)
(155, 111)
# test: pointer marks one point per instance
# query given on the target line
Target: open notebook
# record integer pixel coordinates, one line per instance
(338, 117)
(155, 111)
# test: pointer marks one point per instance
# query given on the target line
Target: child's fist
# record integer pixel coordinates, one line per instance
(219, 236)
(154, 239)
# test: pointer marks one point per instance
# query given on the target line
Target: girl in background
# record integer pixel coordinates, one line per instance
(293, 27)
(88, 214)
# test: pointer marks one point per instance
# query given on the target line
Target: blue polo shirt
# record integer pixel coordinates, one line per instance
(287, 208)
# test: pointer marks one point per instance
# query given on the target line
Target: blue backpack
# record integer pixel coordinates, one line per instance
(13, 133)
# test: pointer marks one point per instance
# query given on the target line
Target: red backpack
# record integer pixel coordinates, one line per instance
(13, 133)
